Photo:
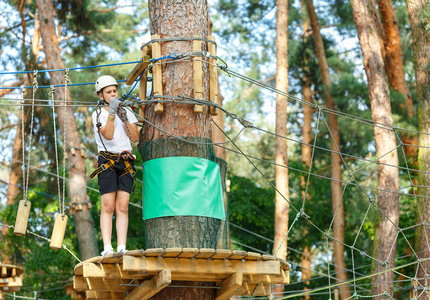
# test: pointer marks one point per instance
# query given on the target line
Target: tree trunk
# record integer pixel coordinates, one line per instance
(169, 20)
(217, 135)
(76, 165)
(336, 172)
(393, 62)
(421, 44)
(281, 149)
(385, 231)
(282, 206)
(17, 162)
(307, 138)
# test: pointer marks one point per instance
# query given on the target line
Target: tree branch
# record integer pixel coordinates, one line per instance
(7, 91)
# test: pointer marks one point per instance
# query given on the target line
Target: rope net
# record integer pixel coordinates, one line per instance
(358, 191)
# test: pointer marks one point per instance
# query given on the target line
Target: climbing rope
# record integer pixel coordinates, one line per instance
(66, 81)
(52, 94)
(35, 87)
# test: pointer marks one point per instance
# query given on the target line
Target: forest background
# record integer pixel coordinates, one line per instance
(106, 32)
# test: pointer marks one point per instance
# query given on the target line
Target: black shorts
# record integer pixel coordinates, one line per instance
(109, 180)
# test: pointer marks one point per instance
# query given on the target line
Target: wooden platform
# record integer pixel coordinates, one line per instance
(10, 280)
(140, 274)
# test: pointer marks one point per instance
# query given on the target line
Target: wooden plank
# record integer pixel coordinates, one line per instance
(106, 284)
(147, 50)
(154, 252)
(157, 85)
(111, 258)
(80, 283)
(206, 277)
(58, 231)
(90, 295)
(9, 267)
(13, 273)
(263, 290)
(268, 257)
(237, 254)
(253, 256)
(22, 216)
(10, 289)
(110, 271)
(79, 269)
(15, 282)
(254, 289)
(151, 287)
(230, 286)
(189, 252)
(202, 266)
(94, 259)
(283, 278)
(172, 252)
(142, 91)
(4, 272)
(221, 254)
(205, 253)
(139, 252)
(197, 74)
(284, 264)
(138, 69)
(213, 77)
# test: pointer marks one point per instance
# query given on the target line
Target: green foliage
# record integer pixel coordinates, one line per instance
(253, 208)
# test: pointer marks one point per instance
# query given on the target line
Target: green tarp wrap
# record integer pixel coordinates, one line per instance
(182, 186)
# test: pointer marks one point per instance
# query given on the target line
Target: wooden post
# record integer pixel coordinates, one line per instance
(22, 218)
(142, 87)
(157, 84)
(197, 74)
(336, 294)
(213, 77)
(58, 232)
(140, 70)
(3, 272)
(146, 54)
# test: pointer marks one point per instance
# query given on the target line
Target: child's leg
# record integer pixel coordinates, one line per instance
(108, 207)
(121, 207)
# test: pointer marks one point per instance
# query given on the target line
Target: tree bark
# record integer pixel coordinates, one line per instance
(281, 205)
(281, 149)
(217, 135)
(76, 166)
(421, 47)
(385, 231)
(169, 20)
(336, 172)
(17, 161)
(307, 139)
(393, 56)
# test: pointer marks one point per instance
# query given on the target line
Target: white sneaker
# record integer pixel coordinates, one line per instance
(106, 252)
(123, 251)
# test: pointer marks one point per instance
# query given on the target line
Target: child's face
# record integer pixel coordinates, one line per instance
(109, 92)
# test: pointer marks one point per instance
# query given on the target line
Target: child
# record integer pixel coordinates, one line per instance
(114, 126)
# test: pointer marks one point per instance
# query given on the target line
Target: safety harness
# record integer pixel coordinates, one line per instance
(112, 158)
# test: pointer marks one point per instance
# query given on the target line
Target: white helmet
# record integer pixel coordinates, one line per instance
(105, 81)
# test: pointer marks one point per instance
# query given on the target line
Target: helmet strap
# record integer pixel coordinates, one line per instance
(103, 95)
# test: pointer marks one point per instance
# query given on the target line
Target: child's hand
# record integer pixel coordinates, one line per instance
(122, 114)
(113, 105)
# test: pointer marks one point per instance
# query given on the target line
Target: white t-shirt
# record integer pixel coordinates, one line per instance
(120, 141)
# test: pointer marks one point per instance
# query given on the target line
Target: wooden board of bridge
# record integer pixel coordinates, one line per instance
(140, 274)
(10, 280)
